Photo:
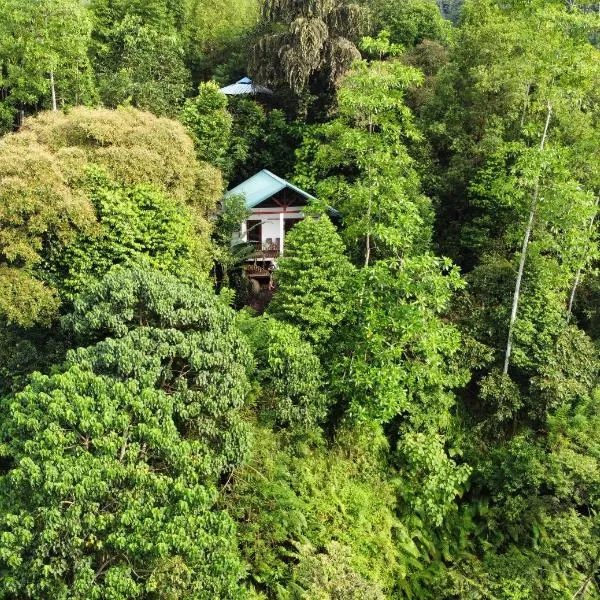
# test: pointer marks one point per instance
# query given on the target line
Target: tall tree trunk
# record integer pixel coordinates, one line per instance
(53, 91)
(578, 276)
(368, 239)
(369, 207)
(572, 296)
(517, 292)
(525, 104)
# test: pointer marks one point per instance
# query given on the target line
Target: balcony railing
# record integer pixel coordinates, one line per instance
(268, 249)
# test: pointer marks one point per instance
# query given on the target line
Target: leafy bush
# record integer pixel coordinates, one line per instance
(46, 204)
(289, 373)
(292, 494)
(136, 224)
(208, 123)
(311, 279)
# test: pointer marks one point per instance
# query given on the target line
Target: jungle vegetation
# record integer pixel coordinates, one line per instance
(415, 414)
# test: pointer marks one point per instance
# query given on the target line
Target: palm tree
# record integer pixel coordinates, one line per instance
(305, 39)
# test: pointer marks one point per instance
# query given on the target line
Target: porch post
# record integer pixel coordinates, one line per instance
(281, 233)
(244, 231)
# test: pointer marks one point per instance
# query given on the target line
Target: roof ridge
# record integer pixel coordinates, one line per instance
(270, 180)
(289, 184)
(276, 177)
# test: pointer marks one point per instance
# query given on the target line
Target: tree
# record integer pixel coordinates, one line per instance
(229, 257)
(43, 50)
(134, 147)
(111, 502)
(138, 54)
(392, 359)
(392, 354)
(216, 35)
(46, 207)
(209, 124)
(307, 41)
(111, 477)
(517, 183)
(144, 67)
(135, 224)
(362, 165)
(525, 157)
(36, 204)
(299, 492)
(158, 14)
(411, 22)
(289, 373)
(187, 343)
(329, 574)
(260, 139)
(312, 278)
(249, 129)
(166, 43)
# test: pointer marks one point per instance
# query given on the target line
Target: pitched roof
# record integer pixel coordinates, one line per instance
(244, 86)
(262, 186)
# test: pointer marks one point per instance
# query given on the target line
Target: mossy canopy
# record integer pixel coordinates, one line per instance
(43, 198)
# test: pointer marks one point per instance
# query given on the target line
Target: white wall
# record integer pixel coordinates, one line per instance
(271, 226)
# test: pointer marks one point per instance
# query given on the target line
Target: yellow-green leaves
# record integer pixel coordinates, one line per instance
(37, 206)
(48, 206)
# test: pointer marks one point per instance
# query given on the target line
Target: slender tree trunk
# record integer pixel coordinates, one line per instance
(578, 276)
(369, 208)
(53, 91)
(572, 296)
(52, 86)
(368, 239)
(517, 292)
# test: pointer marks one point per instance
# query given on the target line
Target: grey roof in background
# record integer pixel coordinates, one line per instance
(244, 87)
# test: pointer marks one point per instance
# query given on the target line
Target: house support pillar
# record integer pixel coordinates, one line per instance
(244, 231)
(281, 233)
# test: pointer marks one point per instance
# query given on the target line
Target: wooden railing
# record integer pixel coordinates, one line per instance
(266, 249)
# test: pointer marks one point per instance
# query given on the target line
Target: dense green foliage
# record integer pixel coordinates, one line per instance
(113, 460)
(59, 221)
(208, 123)
(43, 56)
(289, 373)
(135, 223)
(315, 494)
(411, 408)
(313, 276)
(409, 23)
(307, 40)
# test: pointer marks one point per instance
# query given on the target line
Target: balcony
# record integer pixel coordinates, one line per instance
(265, 250)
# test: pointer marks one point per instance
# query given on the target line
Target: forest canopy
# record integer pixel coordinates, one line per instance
(408, 407)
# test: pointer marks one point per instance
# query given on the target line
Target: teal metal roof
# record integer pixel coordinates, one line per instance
(261, 187)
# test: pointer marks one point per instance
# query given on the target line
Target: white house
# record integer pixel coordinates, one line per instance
(276, 206)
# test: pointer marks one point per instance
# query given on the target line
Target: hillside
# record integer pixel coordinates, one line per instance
(299, 300)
